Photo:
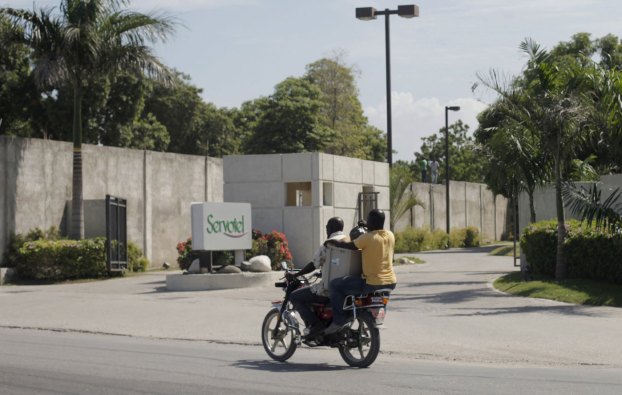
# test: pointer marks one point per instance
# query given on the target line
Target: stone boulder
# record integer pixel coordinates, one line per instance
(228, 269)
(245, 266)
(195, 267)
(260, 263)
(404, 261)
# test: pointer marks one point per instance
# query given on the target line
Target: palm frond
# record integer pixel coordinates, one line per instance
(587, 204)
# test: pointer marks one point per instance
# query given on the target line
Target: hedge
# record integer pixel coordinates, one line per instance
(590, 253)
(57, 260)
(423, 239)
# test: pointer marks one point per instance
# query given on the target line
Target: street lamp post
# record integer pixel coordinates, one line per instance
(447, 109)
(367, 14)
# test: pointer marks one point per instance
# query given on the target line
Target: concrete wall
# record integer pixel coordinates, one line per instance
(544, 200)
(470, 205)
(35, 177)
(262, 181)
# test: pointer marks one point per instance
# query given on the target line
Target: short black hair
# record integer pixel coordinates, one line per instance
(375, 219)
(335, 224)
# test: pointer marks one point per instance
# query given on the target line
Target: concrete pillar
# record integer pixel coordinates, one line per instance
(147, 226)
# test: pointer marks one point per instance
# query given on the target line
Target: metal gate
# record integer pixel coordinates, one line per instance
(367, 201)
(116, 233)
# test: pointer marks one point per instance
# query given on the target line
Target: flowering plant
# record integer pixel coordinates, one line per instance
(184, 249)
(274, 245)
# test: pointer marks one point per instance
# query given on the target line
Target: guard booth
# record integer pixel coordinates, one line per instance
(106, 218)
(116, 233)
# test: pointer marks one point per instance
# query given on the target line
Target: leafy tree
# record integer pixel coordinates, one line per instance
(18, 96)
(178, 107)
(86, 39)
(342, 112)
(466, 162)
(289, 120)
(218, 130)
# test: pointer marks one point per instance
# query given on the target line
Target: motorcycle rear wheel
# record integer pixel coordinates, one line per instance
(280, 345)
(363, 344)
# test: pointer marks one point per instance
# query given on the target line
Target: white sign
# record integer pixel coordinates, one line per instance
(221, 226)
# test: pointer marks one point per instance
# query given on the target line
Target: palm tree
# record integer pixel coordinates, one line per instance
(516, 162)
(402, 198)
(544, 101)
(85, 39)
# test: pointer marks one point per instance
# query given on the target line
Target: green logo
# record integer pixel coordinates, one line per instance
(231, 228)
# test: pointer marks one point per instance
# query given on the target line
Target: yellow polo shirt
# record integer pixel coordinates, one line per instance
(377, 255)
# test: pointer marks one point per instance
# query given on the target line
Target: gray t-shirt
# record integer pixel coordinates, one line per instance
(318, 261)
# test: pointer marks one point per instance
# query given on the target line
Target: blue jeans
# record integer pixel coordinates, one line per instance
(302, 299)
(348, 285)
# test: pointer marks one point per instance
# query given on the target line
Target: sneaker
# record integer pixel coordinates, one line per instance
(334, 328)
(313, 330)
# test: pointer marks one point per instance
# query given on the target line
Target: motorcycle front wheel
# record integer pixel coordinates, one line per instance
(363, 343)
(280, 342)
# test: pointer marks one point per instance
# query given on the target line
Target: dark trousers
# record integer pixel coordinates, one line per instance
(302, 299)
(348, 285)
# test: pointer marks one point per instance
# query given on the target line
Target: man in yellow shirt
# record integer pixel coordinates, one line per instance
(377, 256)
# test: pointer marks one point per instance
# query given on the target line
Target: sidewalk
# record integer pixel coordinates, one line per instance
(442, 310)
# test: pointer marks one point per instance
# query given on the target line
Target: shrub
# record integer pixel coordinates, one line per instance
(456, 238)
(590, 253)
(539, 244)
(136, 261)
(12, 256)
(422, 239)
(186, 255)
(411, 240)
(439, 240)
(58, 260)
(593, 254)
(274, 245)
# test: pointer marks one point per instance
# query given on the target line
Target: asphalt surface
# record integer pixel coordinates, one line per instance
(443, 310)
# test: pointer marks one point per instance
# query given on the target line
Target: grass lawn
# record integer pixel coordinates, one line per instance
(577, 291)
(506, 250)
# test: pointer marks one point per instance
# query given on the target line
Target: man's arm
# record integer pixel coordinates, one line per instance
(306, 270)
(341, 244)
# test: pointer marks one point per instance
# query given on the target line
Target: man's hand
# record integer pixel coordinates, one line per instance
(289, 276)
(329, 243)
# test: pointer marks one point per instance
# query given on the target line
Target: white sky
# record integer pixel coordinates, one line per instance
(238, 50)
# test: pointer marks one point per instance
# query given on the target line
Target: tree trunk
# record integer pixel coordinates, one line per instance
(532, 207)
(560, 264)
(77, 213)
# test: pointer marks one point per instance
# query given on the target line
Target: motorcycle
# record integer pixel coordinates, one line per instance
(358, 343)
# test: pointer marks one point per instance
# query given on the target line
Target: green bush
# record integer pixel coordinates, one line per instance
(136, 261)
(58, 260)
(422, 239)
(12, 256)
(539, 244)
(590, 253)
(439, 240)
(411, 239)
(471, 237)
(456, 238)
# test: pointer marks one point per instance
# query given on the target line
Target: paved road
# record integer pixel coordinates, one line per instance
(42, 362)
(443, 310)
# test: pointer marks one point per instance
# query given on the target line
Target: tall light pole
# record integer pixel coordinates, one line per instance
(447, 109)
(367, 14)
